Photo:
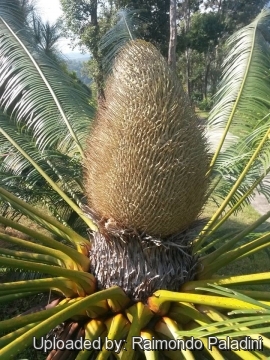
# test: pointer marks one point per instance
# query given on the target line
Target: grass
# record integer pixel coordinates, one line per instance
(201, 113)
(256, 263)
(240, 220)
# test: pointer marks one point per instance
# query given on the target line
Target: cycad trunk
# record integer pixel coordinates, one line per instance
(145, 176)
(141, 264)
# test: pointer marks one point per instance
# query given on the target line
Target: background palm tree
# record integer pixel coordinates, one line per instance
(44, 126)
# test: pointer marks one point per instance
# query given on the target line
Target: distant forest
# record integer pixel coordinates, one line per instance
(77, 65)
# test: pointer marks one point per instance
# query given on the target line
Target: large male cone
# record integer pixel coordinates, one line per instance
(146, 160)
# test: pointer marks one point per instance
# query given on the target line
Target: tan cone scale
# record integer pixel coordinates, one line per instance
(146, 157)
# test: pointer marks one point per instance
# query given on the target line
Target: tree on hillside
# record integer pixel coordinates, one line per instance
(202, 38)
(46, 35)
(203, 30)
(205, 34)
(236, 13)
(88, 21)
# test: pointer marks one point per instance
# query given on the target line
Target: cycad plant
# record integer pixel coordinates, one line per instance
(144, 284)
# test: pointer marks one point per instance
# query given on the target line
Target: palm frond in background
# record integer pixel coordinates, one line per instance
(46, 35)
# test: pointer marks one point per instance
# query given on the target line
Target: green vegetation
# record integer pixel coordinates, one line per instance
(114, 264)
(202, 114)
(78, 66)
(201, 35)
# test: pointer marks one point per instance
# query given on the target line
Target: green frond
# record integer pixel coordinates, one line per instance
(56, 187)
(242, 112)
(38, 330)
(127, 27)
(48, 222)
(48, 116)
(235, 326)
(39, 96)
(243, 109)
(242, 104)
(19, 176)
